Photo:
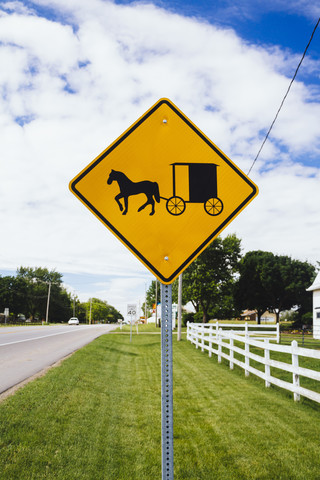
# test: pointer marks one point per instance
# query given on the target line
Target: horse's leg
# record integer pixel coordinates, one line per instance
(117, 199)
(152, 205)
(125, 198)
(142, 206)
(149, 201)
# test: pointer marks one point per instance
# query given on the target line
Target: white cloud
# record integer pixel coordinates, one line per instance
(68, 90)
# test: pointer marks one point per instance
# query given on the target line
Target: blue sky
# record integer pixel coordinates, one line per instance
(79, 73)
(273, 23)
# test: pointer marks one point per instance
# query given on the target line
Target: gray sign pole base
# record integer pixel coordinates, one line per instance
(166, 383)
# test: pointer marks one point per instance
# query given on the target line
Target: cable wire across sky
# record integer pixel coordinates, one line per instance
(284, 98)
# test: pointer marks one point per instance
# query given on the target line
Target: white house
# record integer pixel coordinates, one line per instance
(315, 288)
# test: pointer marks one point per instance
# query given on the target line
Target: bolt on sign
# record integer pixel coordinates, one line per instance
(164, 189)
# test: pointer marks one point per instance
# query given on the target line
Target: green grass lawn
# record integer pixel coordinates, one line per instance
(97, 417)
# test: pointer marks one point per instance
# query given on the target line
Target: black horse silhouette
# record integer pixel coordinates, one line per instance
(127, 188)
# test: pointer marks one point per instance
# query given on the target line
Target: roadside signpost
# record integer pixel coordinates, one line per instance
(163, 176)
(131, 310)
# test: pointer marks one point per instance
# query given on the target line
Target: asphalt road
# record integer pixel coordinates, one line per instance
(25, 351)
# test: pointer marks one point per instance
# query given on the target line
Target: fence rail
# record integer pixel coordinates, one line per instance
(221, 342)
(251, 330)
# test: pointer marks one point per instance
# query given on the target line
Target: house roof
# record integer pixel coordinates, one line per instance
(316, 284)
(248, 312)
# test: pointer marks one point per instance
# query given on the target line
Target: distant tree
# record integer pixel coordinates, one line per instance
(61, 304)
(81, 311)
(38, 280)
(225, 308)
(151, 294)
(13, 294)
(27, 293)
(210, 278)
(249, 292)
(102, 312)
(273, 282)
(293, 278)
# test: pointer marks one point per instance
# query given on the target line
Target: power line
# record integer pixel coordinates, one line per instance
(284, 98)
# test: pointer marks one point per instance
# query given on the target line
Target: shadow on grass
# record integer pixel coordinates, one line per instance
(121, 352)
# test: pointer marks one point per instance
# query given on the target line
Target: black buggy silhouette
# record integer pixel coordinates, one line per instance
(202, 189)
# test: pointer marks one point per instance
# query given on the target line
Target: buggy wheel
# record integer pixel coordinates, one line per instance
(213, 206)
(176, 205)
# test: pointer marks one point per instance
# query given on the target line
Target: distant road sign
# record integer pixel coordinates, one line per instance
(131, 309)
(164, 189)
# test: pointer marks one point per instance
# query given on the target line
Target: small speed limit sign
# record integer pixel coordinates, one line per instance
(131, 309)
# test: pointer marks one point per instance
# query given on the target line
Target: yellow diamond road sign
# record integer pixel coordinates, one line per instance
(164, 189)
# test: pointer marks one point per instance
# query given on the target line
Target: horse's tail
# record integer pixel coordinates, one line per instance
(156, 192)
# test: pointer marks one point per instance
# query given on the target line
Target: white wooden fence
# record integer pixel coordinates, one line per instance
(207, 337)
(252, 330)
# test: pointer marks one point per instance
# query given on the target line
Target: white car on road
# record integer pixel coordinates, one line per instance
(73, 321)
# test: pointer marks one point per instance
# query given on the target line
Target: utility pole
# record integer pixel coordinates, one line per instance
(90, 311)
(179, 307)
(48, 301)
(156, 303)
(145, 303)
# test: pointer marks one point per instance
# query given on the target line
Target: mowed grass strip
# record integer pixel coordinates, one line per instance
(97, 416)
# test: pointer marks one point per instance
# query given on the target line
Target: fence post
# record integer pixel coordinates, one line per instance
(197, 336)
(217, 329)
(246, 329)
(231, 352)
(210, 341)
(278, 332)
(219, 339)
(267, 362)
(295, 364)
(202, 339)
(192, 339)
(247, 351)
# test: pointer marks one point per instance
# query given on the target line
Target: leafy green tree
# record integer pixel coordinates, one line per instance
(249, 291)
(38, 280)
(27, 293)
(273, 282)
(13, 294)
(210, 278)
(286, 282)
(225, 308)
(151, 294)
(81, 311)
(61, 304)
(39, 274)
(102, 312)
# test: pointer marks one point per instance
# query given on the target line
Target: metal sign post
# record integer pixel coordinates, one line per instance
(131, 310)
(166, 383)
